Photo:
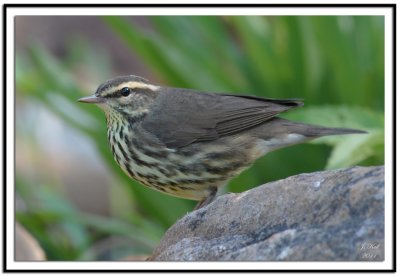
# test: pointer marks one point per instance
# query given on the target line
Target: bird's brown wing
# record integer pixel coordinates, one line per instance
(180, 117)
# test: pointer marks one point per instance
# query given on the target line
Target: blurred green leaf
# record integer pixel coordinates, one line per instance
(70, 228)
(349, 152)
(347, 149)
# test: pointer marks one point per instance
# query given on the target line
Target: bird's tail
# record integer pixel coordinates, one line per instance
(319, 131)
(312, 131)
(279, 133)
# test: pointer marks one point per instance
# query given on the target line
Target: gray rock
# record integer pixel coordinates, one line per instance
(323, 216)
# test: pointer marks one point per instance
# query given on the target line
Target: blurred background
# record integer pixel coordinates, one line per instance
(71, 197)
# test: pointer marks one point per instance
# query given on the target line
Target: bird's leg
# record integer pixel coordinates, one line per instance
(208, 199)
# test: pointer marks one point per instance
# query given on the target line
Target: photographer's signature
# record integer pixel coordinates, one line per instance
(368, 250)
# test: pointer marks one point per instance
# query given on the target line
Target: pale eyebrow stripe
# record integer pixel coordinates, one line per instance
(130, 84)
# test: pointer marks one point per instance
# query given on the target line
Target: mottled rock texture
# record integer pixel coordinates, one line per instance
(324, 216)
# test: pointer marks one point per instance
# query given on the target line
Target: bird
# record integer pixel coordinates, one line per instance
(189, 143)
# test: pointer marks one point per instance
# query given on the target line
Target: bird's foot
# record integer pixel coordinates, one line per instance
(207, 200)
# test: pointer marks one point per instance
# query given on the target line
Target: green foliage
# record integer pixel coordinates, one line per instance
(334, 63)
(347, 150)
(64, 232)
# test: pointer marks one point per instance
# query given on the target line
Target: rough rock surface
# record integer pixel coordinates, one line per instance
(323, 216)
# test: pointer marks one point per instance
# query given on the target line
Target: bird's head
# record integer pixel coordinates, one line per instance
(128, 96)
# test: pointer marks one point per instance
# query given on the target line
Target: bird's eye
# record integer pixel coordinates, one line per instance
(125, 91)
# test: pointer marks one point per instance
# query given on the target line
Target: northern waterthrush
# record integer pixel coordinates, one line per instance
(188, 143)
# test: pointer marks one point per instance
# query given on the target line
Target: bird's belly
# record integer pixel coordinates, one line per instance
(182, 174)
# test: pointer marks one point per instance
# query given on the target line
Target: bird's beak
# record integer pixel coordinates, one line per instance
(92, 99)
